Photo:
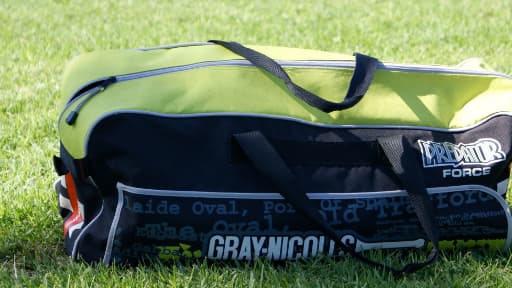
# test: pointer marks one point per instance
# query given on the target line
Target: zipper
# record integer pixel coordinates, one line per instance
(172, 46)
(88, 94)
(85, 93)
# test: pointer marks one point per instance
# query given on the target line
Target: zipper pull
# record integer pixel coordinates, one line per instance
(70, 120)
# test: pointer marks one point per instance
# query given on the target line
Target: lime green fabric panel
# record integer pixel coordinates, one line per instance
(408, 98)
(94, 65)
(497, 97)
(285, 53)
(475, 64)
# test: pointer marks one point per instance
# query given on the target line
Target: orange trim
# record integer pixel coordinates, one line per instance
(76, 217)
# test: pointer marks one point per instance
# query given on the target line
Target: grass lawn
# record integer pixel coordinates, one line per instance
(37, 38)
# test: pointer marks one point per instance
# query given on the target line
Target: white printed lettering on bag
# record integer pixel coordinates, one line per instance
(483, 152)
(231, 247)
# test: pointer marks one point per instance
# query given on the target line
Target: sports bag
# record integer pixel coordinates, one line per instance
(222, 151)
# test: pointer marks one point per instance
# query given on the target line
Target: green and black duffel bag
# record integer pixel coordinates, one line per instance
(216, 150)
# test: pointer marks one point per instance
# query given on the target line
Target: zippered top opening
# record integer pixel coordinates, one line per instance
(89, 90)
(321, 63)
(288, 64)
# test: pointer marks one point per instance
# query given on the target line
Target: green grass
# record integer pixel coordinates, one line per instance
(37, 38)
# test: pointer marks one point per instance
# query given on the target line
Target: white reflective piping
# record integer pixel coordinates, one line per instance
(382, 65)
(285, 118)
(311, 64)
(508, 215)
(277, 196)
(335, 63)
(156, 72)
(82, 232)
(112, 233)
(502, 187)
(302, 121)
(438, 69)
(172, 46)
(392, 67)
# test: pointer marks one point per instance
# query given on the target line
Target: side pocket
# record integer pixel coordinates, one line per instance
(82, 208)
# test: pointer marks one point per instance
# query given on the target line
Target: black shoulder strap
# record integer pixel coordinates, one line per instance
(269, 163)
(404, 162)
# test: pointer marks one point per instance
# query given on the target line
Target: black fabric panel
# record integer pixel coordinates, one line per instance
(196, 154)
(311, 153)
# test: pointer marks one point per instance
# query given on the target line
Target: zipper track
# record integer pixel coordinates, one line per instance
(299, 64)
(80, 93)
(312, 64)
(172, 46)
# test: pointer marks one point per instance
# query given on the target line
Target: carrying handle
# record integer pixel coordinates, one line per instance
(269, 163)
(359, 84)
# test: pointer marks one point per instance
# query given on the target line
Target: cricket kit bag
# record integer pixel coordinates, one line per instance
(222, 151)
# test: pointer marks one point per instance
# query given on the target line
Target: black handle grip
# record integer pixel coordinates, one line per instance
(359, 84)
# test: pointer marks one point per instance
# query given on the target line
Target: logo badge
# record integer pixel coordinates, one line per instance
(484, 151)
